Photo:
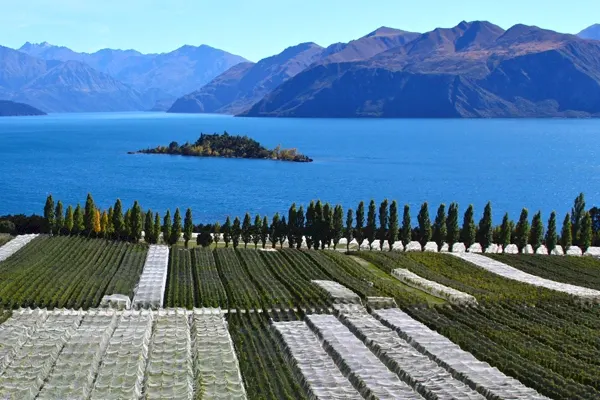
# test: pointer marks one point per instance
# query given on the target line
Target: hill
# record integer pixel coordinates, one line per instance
(10, 108)
(592, 32)
(473, 70)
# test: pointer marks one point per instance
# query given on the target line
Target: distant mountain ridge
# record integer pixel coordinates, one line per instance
(12, 109)
(592, 32)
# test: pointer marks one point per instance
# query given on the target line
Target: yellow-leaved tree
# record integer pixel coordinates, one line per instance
(96, 222)
(104, 224)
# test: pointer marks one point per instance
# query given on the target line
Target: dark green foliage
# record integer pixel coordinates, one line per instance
(281, 231)
(179, 291)
(318, 223)
(440, 230)
(188, 226)
(209, 290)
(327, 227)
(156, 228)
(522, 230)
(59, 221)
(586, 232)
(136, 222)
(69, 220)
(536, 236)
(452, 228)
(349, 229)
(216, 230)
(577, 215)
(371, 227)
(78, 221)
(7, 227)
(551, 236)
(274, 230)
(118, 220)
(292, 228)
(360, 223)
(468, 232)
(505, 231)
(486, 228)
(299, 227)
(127, 225)
(424, 224)
(204, 239)
(310, 225)
(383, 222)
(256, 230)
(264, 232)
(338, 225)
(566, 240)
(247, 230)
(88, 216)
(149, 227)
(393, 225)
(49, 217)
(406, 234)
(227, 232)
(176, 229)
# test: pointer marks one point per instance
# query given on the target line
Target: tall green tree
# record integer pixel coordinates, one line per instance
(327, 226)
(78, 222)
(440, 230)
(393, 225)
(149, 227)
(256, 229)
(338, 225)
(69, 220)
(166, 227)
(88, 216)
(586, 232)
(522, 230)
(156, 228)
(59, 221)
(118, 220)
(216, 230)
(383, 222)
(424, 224)
(127, 224)
(299, 227)
(227, 231)
(282, 231)
(236, 232)
(452, 228)
(349, 228)
(291, 225)
(577, 215)
(274, 230)
(188, 226)
(406, 234)
(49, 218)
(177, 228)
(371, 227)
(536, 235)
(247, 230)
(505, 231)
(264, 232)
(309, 227)
(486, 227)
(551, 236)
(318, 223)
(566, 238)
(359, 232)
(137, 222)
(468, 232)
(110, 228)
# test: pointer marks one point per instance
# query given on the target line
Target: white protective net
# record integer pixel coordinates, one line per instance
(318, 373)
(151, 288)
(215, 362)
(414, 368)
(509, 272)
(357, 362)
(339, 293)
(73, 374)
(116, 301)
(435, 289)
(15, 332)
(31, 364)
(488, 380)
(169, 372)
(15, 245)
(122, 371)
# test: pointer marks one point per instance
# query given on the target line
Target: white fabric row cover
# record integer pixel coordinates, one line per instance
(169, 373)
(357, 362)
(433, 288)
(509, 272)
(319, 374)
(116, 301)
(416, 369)
(216, 365)
(121, 373)
(15, 332)
(339, 293)
(488, 380)
(73, 374)
(150, 290)
(15, 245)
(24, 376)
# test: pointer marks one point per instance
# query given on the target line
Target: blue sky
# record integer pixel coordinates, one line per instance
(259, 28)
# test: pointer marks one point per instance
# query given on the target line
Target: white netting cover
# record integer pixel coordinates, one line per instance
(489, 380)
(215, 360)
(381, 302)
(458, 248)
(435, 289)
(151, 288)
(339, 293)
(385, 246)
(315, 369)
(32, 363)
(543, 250)
(15, 332)
(445, 248)
(73, 374)
(414, 368)
(475, 248)
(364, 245)
(398, 246)
(413, 246)
(492, 248)
(509, 272)
(574, 251)
(431, 247)
(15, 245)
(169, 373)
(116, 301)
(528, 249)
(511, 249)
(593, 251)
(357, 362)
(557, 251)
(121, 374)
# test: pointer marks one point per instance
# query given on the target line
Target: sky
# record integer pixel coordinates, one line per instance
(260, 28)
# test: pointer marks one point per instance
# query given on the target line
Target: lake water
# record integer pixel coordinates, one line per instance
(539, 164)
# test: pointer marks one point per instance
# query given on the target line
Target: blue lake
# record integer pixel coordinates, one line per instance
(539, 164)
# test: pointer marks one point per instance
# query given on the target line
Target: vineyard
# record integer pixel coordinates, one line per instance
(290, 324)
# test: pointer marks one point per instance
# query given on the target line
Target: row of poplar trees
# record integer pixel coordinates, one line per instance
(115, 223)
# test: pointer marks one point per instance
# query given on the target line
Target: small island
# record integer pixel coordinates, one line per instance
(13, 109)
(227, 146)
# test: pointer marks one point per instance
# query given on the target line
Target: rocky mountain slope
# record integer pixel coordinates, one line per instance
(10, 108)
(593, 32)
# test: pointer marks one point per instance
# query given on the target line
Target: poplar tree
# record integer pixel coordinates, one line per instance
(96, 224)
(291, 228)
(188, 226)
(327, 226)
(89, 214)
(110, 229)
(78, 223)
(536, 235)
(393, 225)
(49, 219)
(264, 232)
(360, 223)
(551, 236)
(406, 234)
(136, 223)
(468, 232)
(104, 224)
(338, 225)
(310, 224)
(247, 230)
(383, 222)
(349, 228)
(69, 220)
(299, 226)
(522, 230)
(424, 224)
(452, 228)
(566, 238)
(577, 215)
(59, 221)
(118, 220)
(216, 234)
(371, 227)
(281, 231)
(156, 228)
(176, 230)
(586, 232)
(318, 225)
(440, 230)
(166, 227)
(227, 231)
(127, 224)
(149, 227)
(505, 231)
(236, 232)
(274, 230)
(486, 228)
(256, 229)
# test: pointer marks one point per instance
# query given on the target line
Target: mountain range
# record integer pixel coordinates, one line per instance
(10, 108)
(593, 32)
